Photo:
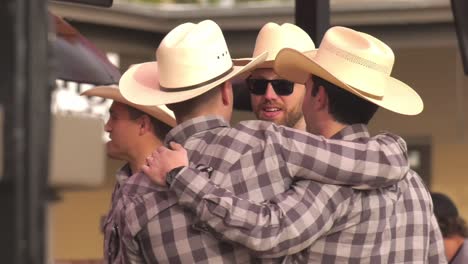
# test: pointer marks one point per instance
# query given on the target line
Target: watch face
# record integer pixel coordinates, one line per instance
(204, 168)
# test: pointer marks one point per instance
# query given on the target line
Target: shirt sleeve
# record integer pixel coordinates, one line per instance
(284, 225)
(364, 163)
(436, 244)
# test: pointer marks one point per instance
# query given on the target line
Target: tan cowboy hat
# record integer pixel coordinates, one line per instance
(192, 59)
(161, 112)
(356, 62)
(273, 37)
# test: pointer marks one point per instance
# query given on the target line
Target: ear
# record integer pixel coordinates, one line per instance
(145, 124)
(321, 100)
(226, 93)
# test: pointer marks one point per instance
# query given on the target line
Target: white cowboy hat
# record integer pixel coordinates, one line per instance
(161, 112)
(273, 37)
(192, 59)
(356, 62)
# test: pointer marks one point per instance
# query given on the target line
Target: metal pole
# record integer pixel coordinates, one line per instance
(314, 17)
(25, 98)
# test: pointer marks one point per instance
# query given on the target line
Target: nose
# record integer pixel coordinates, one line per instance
(107, 126)
(270, 92)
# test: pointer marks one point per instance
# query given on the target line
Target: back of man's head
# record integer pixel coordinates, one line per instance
(345, 107)
(192, 59)
(450, 222)
(208, 103)
(356, 62)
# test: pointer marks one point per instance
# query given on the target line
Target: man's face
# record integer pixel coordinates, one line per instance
(271, 105)
(122, 132)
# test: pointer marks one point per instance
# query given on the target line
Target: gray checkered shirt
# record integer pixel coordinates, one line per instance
(315, 222)
(110, 225)
(257, 160)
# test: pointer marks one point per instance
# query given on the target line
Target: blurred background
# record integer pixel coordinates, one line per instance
(81, 178)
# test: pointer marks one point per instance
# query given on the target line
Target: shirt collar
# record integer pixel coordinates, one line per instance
(352, 132)
(123, 173)
(187, 129)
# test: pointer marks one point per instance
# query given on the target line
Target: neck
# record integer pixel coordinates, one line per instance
(452, 245)
(300, 125)
(142, 151)
(333, 129)
(203, 112)
(327, 127)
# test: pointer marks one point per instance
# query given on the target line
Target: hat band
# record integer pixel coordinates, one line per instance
(196, 86)
(373, 96)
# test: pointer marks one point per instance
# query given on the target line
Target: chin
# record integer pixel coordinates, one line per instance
(111, 155)
(115, 156)
(111, 152)
(279, 121)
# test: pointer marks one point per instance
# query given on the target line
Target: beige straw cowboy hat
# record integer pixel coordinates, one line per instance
(191, 59)
(161, 112)
(273, 37)
(356, 62)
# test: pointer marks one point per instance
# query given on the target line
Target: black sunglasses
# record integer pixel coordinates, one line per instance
(259, 86)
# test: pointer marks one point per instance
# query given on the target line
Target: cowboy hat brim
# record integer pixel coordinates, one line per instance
(161, 113)
(398, 96)
(140, 83)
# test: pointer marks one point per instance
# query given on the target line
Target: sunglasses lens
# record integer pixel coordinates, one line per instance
(283, 87)
(257, 86)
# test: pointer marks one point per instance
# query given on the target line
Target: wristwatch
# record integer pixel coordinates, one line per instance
(172, 174)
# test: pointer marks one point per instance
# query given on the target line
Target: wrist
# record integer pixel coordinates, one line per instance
(170, 176)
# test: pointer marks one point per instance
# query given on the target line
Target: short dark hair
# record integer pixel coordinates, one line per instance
(187, 107)
(160, 129)
(449, 220)
(344, 106)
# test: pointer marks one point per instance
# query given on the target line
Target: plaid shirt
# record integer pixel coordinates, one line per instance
(110, 226)
(155, 227)
(315, 222)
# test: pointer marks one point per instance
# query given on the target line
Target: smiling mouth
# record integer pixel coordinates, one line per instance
(271, 109)
(270, 113)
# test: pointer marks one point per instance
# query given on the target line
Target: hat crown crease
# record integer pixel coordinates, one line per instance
(196, 51)
(355, 59)
(273, 37)
(367, 60)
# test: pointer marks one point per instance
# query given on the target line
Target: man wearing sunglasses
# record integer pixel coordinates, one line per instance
(346, 81)
(272, 98)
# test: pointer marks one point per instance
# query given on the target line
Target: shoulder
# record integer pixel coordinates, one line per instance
(258, 128)
(142, 201)
(139, 184)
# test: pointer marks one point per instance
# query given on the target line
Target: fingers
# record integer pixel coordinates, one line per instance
(146, 169)
(153, 171)
(175, 146)
(155, 154)
(149, 160)
(156, 158)
(161, 149)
